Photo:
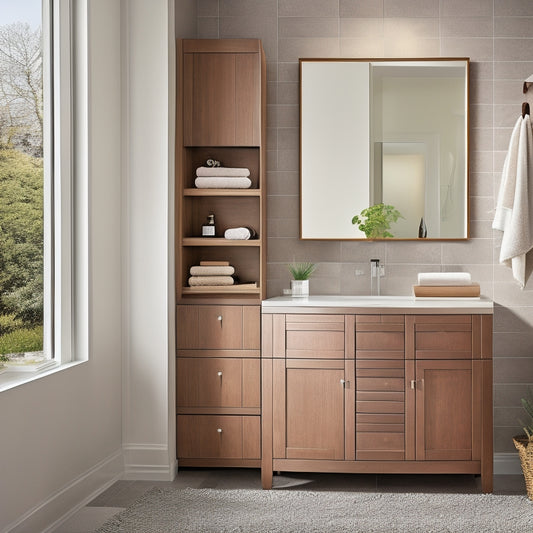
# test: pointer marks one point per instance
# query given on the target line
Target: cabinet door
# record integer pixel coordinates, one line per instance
(222, 102)
(446, 410)
(309, 398)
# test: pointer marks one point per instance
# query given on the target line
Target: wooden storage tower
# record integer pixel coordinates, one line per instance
(221, 114)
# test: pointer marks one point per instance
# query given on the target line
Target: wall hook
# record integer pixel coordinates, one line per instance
(525, 109)
(527, 83)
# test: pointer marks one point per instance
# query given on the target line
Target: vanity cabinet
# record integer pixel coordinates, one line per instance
(220, 114)
(387, 392)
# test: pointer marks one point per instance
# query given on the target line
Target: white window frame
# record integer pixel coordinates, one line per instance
(66, 191)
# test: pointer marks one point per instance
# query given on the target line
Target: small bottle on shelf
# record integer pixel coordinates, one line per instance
(208, 229)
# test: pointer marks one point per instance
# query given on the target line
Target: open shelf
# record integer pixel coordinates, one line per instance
(219, 241)
(221, 192)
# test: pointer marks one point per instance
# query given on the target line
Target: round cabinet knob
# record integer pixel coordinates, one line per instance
(343, 382)
(219, 374)
(219, 430)
(219, 318)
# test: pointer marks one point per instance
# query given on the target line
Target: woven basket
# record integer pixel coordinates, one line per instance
(525, 452)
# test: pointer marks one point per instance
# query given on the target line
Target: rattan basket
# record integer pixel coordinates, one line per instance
(525, 452)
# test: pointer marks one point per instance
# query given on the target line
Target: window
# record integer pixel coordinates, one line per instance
(43, 278)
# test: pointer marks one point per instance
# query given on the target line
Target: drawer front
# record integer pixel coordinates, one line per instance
(380, 410)
(218, 437)
(217, 382)
(217, 327)
(379, 337)
(443, 337)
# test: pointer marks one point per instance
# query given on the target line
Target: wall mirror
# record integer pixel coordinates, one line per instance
(382, 131)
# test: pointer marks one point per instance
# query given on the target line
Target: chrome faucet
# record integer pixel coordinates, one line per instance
(375, 272)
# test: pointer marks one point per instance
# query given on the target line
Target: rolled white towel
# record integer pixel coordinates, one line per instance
(239, 234)
(444, 278)
(211, 172)
(198, 270)
(210, 281)
(223, 183)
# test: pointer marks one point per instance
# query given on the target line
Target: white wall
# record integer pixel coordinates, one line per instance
(149, 353)
(60, 436)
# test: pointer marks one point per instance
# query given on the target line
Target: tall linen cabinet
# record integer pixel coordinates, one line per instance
(221, 115)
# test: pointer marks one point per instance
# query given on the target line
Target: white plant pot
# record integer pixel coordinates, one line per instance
(300, 287)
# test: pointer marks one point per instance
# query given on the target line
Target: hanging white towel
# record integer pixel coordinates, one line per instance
(514, 200)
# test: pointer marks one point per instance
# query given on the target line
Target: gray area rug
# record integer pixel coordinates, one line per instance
(265, 511)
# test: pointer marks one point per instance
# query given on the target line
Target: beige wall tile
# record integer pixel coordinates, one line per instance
(361, 8)
(481, 92)
(481, 115)
(477, 49)
(289, 71)
(505, 115)
(288, 93)
(512, 70)
(362, 251)
(515, 344)
(509, 395)
(293, 49)
(357, 28)
(289, 138)
(207, 8)
(508, 416)
(512, 49)
(411, 8)
(362, 47)
(272, 92)
(481, 70)
(509, 92)
(503, 440)
(249, 26)
(283, 116)
(466, 27)
(513, 27)
(310, 8)
(284, 227)
(308, 27)
(481, 139)
(513, 370)
(474, 251)
(400, 46)
(513, 319)
(481, 162)
(471, 8)
(481, 208)
(283, 206)
(481, 184)
(413, 252)
(514, 8)
(287, 250)
(254, 8)
(288, 159)
(283, 183)
(207, 28)
(411, 28)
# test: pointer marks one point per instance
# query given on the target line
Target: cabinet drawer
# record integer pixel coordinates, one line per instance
(217, 327)
(218, 437)
(217, 382)
(443, 337)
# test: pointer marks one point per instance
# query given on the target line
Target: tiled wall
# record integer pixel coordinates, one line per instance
(498, 37)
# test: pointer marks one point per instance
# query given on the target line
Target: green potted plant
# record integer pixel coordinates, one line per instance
(3, 359)
(375, 221)
(524, 445)
(301, 272)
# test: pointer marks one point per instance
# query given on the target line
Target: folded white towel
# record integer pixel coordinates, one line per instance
(210, 281)
(223, 183)
(515, 199)
(211, 270)
(239, 234)
(444, 278)
(210, 172)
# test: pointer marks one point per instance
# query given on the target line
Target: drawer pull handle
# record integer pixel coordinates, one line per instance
(219, 430)
(345, 384)
(219, 374)
(219, 318)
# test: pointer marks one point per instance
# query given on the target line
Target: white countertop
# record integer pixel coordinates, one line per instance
(404, 304)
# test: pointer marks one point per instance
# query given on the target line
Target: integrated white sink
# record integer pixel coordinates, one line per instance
(477, 305)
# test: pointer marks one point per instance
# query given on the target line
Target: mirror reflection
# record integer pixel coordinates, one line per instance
(384, 132)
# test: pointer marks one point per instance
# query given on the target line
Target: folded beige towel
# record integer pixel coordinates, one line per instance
(444, 278)
(211, 172)
(211, 281)
(212, 271)
(223, 183)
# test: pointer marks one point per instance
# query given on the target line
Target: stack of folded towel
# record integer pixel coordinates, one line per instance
(211, 275)
(222, 178)
(446, 284)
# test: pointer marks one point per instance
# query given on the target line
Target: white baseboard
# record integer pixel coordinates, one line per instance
(61, 505)
(148, 462)
(507, 463)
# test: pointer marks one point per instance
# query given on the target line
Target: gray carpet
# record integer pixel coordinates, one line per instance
(258, 511)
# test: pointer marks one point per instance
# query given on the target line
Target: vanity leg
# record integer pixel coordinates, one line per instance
(266, 424)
